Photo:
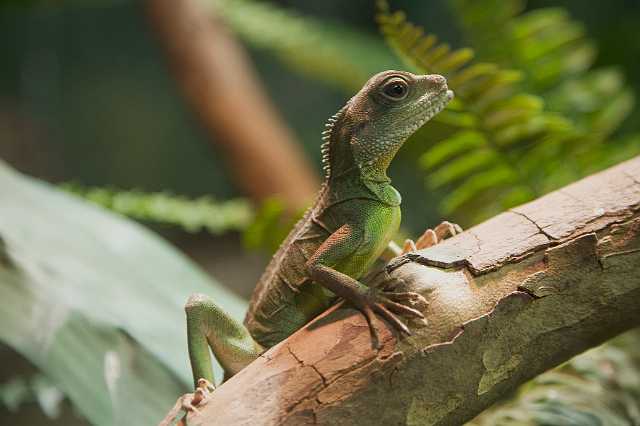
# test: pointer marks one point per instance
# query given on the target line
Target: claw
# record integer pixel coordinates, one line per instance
(431, 237)
(206, 385)
(370, 317)
(401, 309)
(188, 403)
(409, 246)
(414, 300)
(199, 397)
(388, 305)
(379, 307)
(428, 239)
(446, 230)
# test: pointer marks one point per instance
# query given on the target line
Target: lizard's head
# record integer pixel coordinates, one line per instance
(390, 107)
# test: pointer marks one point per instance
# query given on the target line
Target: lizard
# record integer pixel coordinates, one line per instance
(341, 235)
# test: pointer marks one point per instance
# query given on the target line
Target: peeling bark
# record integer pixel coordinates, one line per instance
(508, 299)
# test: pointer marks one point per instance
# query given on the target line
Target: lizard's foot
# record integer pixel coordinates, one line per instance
(187, 403)
(431, 237)
(387, 305)
(199, 397)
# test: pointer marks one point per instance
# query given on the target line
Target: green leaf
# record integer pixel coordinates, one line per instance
(463, 166)
(513, 110)
(457, 144)
(477, 184)
(326, 50)
(599, 387)
(271, 226)
(95, 301)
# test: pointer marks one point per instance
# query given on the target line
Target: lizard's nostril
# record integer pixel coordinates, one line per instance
(437, 80)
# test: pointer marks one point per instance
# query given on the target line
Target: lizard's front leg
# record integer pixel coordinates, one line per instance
(339, 250)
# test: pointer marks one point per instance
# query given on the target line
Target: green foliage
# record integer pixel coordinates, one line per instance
(75, 281)
(518, 117)
(325, 50)
(530, 115)
(527, 99)
(203, 213)
(271, 225)
(555, 57)
(599, 387)
(263, 229)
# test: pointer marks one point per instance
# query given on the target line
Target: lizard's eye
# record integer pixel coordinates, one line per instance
(395, 89)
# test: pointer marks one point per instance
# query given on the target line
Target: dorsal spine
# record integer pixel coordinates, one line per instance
(327, 137)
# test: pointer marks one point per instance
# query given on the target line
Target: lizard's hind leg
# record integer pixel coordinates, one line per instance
(208, 326)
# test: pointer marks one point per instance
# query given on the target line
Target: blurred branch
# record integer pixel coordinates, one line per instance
(218, 81)
(326, 50)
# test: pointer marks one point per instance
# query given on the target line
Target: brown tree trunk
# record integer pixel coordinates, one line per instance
(508, 299)
(218, 81)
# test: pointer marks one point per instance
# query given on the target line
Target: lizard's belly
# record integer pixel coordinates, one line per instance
(289, 299)
(286, 298)
(272, 323)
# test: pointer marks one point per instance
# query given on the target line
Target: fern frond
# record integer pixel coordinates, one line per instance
(544, 43)
(454, 146)
(484, 183)
(463, 166)
(263, 227)
(597, 100)
(192, 215)
(555, 56)
(481, 160)
(512, 144)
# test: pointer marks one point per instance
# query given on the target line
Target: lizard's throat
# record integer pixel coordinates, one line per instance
(347, 153)
(373, 158)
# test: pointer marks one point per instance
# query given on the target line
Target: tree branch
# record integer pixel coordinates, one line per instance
(508, 299)
(218, 80)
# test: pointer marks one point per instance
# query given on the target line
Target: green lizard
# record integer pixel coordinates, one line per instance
(339, 238)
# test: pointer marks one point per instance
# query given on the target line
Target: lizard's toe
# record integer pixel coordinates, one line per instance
(446, 230)
(427, 239)
(205, 385)
(409, 298)
(199, 397)
(188, 403)
(409, 246)
(431, 237)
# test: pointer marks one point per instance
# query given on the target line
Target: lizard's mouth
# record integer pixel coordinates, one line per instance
(431, 104)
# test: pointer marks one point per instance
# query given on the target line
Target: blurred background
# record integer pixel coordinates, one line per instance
(201, 121)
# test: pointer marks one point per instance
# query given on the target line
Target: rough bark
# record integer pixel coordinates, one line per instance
(508, 299)
(217, 79)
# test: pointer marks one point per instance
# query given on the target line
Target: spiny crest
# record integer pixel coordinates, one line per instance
(325, 148)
